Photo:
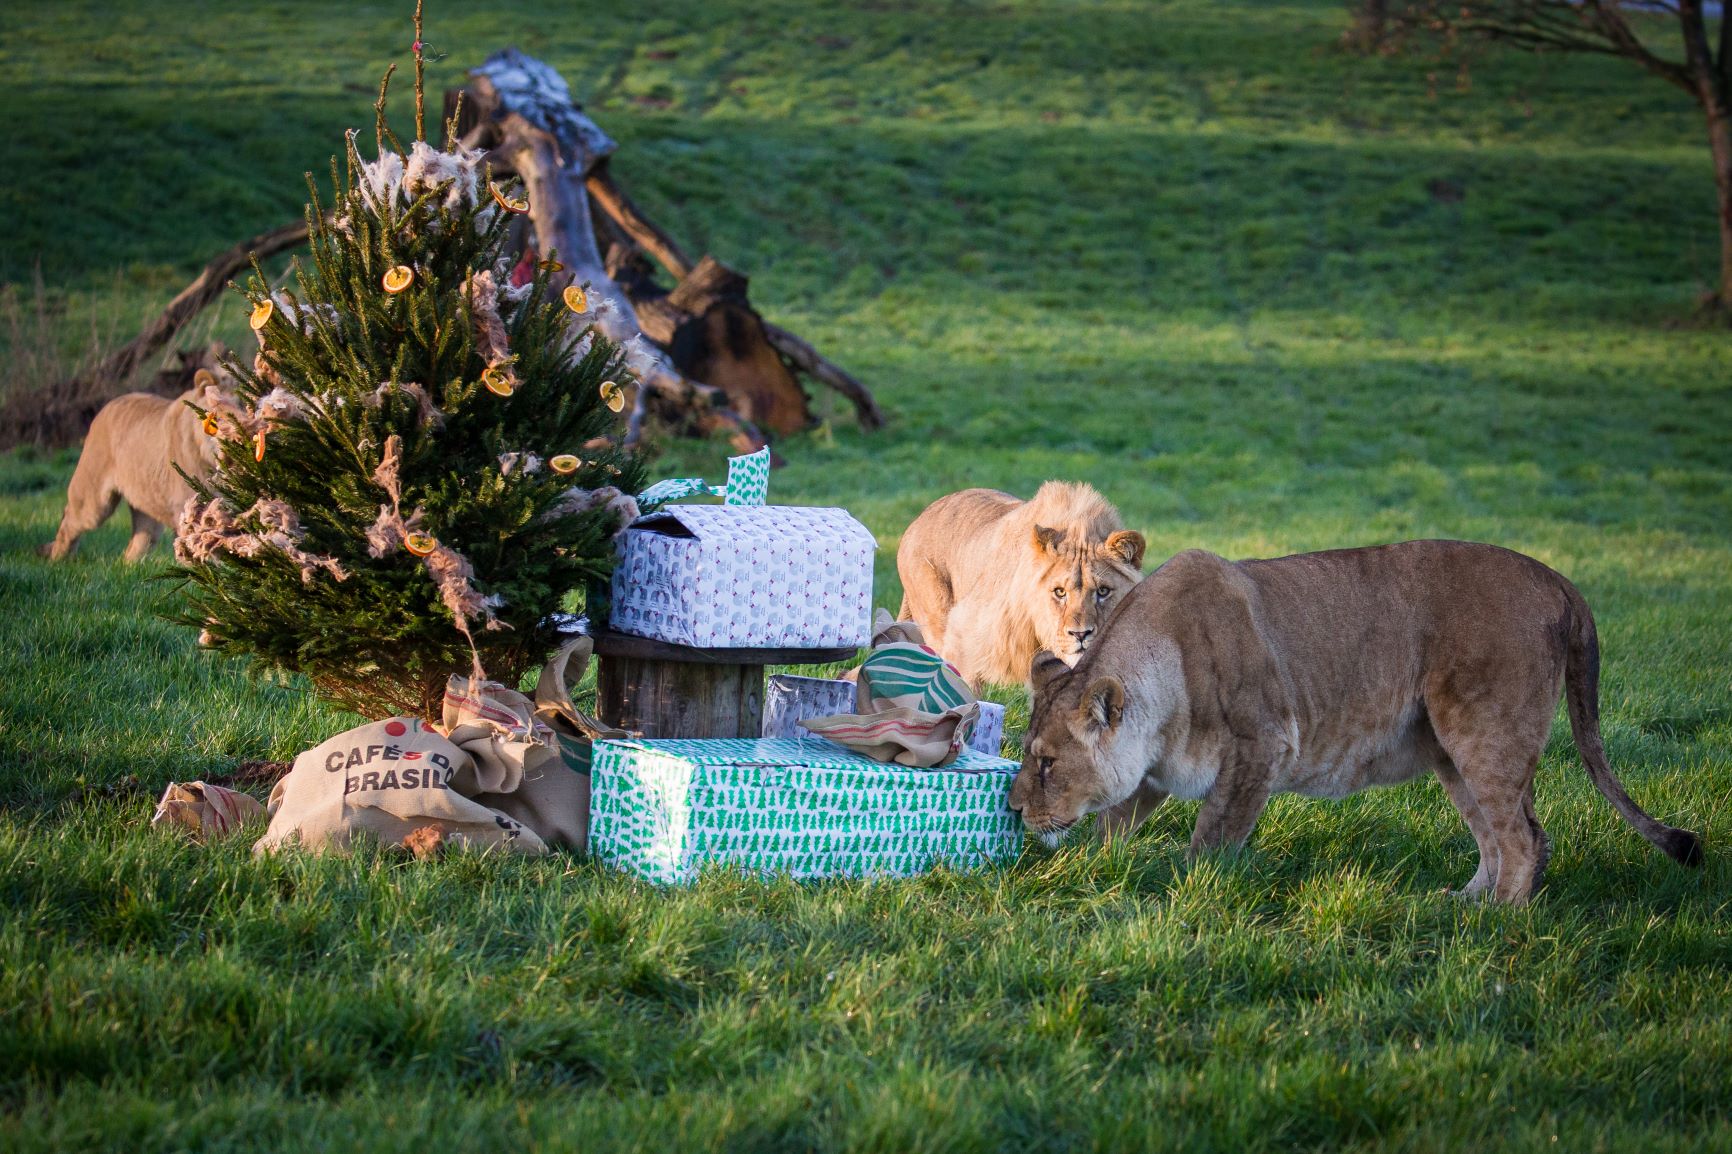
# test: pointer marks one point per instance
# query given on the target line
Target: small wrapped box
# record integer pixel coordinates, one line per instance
(745, 577)
(661, 809)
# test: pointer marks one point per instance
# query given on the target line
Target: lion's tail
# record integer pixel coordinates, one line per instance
(1582, 697)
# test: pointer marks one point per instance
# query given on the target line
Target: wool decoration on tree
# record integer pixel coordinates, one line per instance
(384, 512)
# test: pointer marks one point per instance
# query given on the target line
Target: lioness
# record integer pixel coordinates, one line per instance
(1323, 674)
(130, 453)
(992, 580)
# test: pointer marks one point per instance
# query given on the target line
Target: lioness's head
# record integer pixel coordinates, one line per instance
(1067, 764)
(1080, 582)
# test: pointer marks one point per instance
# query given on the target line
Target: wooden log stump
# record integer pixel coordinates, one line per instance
(665, 690)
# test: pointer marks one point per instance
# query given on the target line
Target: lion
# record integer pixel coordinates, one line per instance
(992, 580)
(130, 454)
(1322, 674)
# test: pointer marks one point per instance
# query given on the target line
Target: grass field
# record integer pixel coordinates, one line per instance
(1267, 297)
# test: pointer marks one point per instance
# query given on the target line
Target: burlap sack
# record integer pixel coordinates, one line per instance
(915, 709)
(493, 779)
(385, 780)
(202, 810)
(516, 746)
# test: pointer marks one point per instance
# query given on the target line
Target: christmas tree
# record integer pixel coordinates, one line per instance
(417, 469)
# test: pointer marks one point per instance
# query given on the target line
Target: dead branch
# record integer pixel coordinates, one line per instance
(117, 368)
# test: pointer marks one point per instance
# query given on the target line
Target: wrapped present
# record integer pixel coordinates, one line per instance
(748, 484)
(745, 576)
(988, 735)
(790, 698)
(662, 809)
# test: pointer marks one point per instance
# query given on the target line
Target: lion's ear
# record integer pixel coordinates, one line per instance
(1127, 546)
(1103, 706)
(1047, 540)
(1046, 669)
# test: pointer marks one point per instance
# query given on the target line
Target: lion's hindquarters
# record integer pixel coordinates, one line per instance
(129, 454)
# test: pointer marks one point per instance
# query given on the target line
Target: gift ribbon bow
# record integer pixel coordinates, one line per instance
(748, 484)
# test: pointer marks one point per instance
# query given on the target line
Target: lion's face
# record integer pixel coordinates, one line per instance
(1080, 584)
(1066, 763)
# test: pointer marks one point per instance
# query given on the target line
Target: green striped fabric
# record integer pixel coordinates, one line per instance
(914, 677)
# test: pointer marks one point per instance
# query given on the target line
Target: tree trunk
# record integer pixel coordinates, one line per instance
(61, 413)
(674, 699)
(665, 690)
(1710, 82)
(1369, 27)
(1720, 144)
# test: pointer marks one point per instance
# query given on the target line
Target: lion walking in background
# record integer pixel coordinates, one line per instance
(130, 454)
(992, 580)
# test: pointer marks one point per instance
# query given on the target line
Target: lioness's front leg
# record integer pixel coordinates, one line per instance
(1232, 808)
(1125, 818)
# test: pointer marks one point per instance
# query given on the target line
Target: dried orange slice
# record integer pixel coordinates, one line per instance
(420, 544)
(564, 463)
(550, 265)
(398, 279)
(576, 299)
(509, 204)
(497, 382)
(259, 445)
(210, 425)
(262, 315)
(613, 395)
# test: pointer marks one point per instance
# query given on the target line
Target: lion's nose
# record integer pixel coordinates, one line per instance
(1081, 635)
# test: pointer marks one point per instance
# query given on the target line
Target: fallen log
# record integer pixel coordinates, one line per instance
(119, 366)
(550, 145)
(60, 413)
(710, 330)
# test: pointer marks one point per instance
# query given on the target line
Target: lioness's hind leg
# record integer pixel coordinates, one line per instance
(1500, 778)
(89, 502)
(145, 531)
(1485, 877)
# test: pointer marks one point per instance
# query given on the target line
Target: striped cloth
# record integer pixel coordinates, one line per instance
(916, 709)
(914, 677)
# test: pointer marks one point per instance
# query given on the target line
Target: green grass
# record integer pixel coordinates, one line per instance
(1185, 251)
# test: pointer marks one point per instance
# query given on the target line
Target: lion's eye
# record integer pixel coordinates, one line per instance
(1058, 593)
(1044, 765)
(1102, 593)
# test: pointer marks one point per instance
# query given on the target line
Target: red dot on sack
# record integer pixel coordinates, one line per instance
(396, 728)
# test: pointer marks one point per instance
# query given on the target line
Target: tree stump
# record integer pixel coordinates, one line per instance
(665, 690)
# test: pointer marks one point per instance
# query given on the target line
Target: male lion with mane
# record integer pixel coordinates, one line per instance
(992, 580)
(1322, 674)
